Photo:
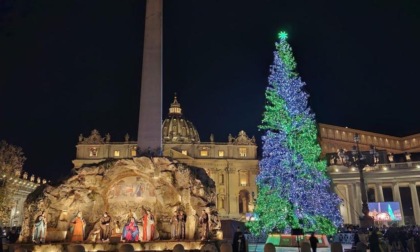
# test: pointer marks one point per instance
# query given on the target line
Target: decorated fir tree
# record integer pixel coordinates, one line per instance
(294, 188)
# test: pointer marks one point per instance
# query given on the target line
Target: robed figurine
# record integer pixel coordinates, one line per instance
(174, 226)
(130, 231)
(78, 228)
(39, 231)
(148, 225)
(105, 224)
(204, 222)
(182, 219)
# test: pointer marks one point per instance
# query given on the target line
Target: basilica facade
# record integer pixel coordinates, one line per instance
(233, 165)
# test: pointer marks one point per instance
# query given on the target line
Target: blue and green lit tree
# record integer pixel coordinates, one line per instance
(294, 188)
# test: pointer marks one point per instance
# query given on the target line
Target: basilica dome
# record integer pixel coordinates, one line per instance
(176, 129)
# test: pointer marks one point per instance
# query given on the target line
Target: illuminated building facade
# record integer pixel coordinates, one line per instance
(396, 178)
(18, 185)
(233, 165)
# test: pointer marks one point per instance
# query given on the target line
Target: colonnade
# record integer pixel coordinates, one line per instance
(351, 207)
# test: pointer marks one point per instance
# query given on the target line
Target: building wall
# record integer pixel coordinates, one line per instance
(333, 138)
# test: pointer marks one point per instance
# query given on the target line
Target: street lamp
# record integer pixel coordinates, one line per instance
(360, 160)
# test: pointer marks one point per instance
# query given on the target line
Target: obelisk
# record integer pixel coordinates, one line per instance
(150, 118)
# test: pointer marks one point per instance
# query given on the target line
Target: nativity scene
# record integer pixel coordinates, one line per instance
(129, 200)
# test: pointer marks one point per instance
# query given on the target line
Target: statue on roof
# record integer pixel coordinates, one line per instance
(94, 138)
(230, 138)
(127, 137)
(243, 139)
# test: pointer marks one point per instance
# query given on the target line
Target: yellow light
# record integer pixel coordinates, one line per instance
(353, 169)
(385, 168)
(336, 170)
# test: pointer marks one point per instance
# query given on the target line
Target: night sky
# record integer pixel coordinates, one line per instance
(67, 67)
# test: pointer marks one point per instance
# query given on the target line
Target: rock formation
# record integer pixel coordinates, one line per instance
(120, 187)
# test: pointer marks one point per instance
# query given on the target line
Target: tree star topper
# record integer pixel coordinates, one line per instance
(283, 35)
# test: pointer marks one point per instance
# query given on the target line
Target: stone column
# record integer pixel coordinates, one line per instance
(342, 194)
(345, 193)
(358, 199)
(352, 204)
(397, 197)
(379, 193)
(415, 201)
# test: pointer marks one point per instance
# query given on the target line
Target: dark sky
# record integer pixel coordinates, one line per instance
(67, 67)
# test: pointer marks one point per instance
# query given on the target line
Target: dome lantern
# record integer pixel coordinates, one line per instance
(175, 108)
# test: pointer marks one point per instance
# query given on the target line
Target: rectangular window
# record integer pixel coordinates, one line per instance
(184, 152)
(116, 153)
(221, 153)
(133, 152)
(93, 152)
(204, 153)
(243, 178)
(242, 152)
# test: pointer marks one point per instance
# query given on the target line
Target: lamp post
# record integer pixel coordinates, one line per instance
(360, 160)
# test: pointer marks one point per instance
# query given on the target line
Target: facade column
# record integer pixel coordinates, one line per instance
(397, 197)
(342, 194)
(379, 193)
(415, 201)
(352, 204)
(358, 200)
(347, 205)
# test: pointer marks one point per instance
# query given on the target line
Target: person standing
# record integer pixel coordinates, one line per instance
(204, 222)
(374, 241)
(105, 227)
(313, 241)
(238, 241)
(39, 231)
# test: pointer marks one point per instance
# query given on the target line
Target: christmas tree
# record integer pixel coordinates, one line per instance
(294, 188)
